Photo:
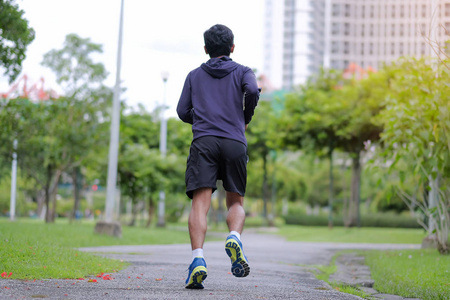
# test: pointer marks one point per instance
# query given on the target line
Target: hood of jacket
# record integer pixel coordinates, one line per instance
(219, 67)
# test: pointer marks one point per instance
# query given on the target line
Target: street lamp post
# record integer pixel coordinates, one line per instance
(163, 150)
(108, 226)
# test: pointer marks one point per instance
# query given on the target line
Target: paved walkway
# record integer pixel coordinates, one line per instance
(278, 271)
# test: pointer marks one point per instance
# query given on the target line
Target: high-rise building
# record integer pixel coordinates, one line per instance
(301, 36)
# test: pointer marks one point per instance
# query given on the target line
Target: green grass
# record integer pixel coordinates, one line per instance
(323, 273)
(352, 235)
(31, 249)
(423, 274)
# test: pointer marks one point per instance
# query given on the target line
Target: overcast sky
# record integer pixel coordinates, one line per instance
(157, 36)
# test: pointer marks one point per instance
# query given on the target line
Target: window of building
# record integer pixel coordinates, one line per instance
(334, 47)
(393, 30)
(447, 9)
(372, 11)
(347, 10)
(371, 30)
(346, 47)
(393, 11)
(402, 29)
(392, 48)
(447, 26)
(422, 49)
(363, 11)
(335, 29)
(346, 28)
(362, 48)
(402, 11)
(401, 49)
(335, 10)
(424, 11)
(371, 48)
(362, 29)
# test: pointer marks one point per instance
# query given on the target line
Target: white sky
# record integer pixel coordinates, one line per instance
(158, 35)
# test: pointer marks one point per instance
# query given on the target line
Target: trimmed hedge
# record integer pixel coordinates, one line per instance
(373, 220)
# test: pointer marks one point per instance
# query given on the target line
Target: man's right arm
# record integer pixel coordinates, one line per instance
(184, 108)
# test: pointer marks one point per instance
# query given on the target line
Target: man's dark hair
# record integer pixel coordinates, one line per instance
(218, 40)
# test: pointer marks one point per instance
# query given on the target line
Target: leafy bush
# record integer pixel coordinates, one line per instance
(389, 220)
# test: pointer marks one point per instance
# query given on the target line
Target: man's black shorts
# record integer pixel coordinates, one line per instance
(214, 158)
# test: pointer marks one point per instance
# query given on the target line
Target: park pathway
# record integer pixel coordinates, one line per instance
(279, 270)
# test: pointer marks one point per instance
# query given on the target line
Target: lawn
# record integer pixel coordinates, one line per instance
(423, 274)
(352, 235)
(31, 249)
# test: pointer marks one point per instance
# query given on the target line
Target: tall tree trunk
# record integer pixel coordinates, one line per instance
(47, 194)
(265, 187)
(40, 199)
(151, 211)
(273, 197)
(331, 190)
(134, 213)
(353, 217)
(51, 197)
(76, 182)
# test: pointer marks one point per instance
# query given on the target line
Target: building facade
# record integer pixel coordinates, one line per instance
(301, 36)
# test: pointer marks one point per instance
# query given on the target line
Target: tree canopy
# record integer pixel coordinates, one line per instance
(15, 36)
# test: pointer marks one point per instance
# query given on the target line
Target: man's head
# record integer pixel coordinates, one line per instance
(219, 41)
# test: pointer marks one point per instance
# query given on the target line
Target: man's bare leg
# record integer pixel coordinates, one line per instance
(233, 245)
(236, 213)
(201, 201)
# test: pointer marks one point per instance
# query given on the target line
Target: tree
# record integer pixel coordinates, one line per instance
(417, 133)
(80, 111)
(142, 169)
(362, 101)
(312, 118)
(260, 134)
(15, 35)
(330, 113)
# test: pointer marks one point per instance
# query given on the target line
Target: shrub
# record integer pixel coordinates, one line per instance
(389, 220)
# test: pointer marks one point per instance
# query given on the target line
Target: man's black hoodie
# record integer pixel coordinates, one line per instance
(219, 99)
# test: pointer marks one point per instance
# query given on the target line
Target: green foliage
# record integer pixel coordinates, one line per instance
(387, 220)
(416, 139)
(143, 172)
(352, 235)
(75, 70)
(416, 121)
(15, 35)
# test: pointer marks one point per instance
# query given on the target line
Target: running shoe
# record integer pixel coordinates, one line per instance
(197, 274)
(239, 262)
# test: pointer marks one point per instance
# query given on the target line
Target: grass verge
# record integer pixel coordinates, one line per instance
(352, 235)
(423, 273)
(420, 273)
(31, 249)
(323, 273)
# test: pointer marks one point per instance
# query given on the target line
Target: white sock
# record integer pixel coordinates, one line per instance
(197, 253)
(235, 233)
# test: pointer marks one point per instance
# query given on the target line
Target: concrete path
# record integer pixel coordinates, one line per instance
(278, 271)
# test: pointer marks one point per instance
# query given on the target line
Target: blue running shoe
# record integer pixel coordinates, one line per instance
(239, 262)
(197, 274)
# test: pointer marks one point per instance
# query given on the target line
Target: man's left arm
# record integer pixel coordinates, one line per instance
(251, 98)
